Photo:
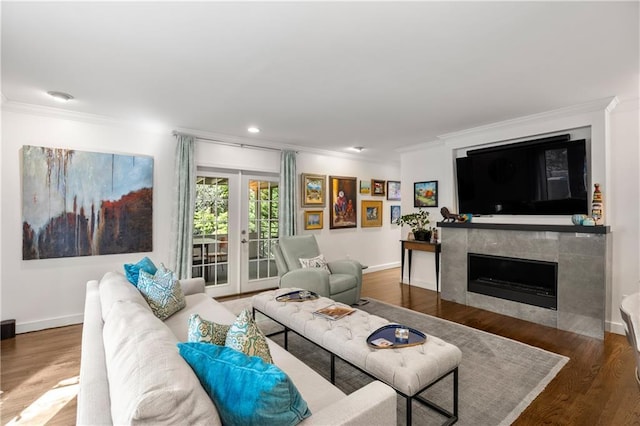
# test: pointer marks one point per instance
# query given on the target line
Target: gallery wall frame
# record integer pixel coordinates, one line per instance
(343, 193)
(378, 187)
(313, 219)
(313, 190)
(371, 214)
(425, 194)
(393, 190)
(365, 187)
(395, 214)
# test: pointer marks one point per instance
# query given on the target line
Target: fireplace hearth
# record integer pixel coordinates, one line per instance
(533, 282)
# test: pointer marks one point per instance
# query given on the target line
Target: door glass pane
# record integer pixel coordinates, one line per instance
(263, 228)
(210, 230)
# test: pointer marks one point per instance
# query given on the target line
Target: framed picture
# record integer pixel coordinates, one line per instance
(344, 196)
(371, 213)
(395, 213)
(313, 219)
(393, 190)
(377, 187)
(425, 194)
(313, 192)
(365, 187)
(82, 203)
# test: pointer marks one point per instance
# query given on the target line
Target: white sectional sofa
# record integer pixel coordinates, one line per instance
(132, 373)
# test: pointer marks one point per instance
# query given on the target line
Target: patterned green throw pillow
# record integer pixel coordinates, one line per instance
(162, 292)
(245, 336)
(202, 330)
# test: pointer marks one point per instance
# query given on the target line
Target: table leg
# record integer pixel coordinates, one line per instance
(402, 264)
(409, 270)
(437, 271)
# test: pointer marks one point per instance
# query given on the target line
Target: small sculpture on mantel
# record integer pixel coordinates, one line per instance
(448, 216)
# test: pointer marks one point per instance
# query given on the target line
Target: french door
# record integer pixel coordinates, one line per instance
(235, 226)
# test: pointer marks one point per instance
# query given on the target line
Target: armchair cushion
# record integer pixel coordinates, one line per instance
(339, 283)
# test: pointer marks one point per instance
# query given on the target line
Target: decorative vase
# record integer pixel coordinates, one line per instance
(597, 212)
(577, 219)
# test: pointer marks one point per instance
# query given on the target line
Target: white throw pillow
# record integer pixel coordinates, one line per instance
(315, 262)
(149, 382)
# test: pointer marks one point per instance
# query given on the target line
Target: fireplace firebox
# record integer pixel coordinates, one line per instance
(533, 282)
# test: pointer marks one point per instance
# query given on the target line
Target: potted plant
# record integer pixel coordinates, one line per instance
(418, 223)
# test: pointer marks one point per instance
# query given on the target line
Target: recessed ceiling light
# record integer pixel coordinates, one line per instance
(253, 129)
(60, 96)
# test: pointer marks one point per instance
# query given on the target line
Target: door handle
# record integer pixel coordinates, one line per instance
(243, 241)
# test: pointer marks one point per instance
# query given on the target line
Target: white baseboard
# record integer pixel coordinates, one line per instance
(614, 327)
(382, 267)
(26, 327)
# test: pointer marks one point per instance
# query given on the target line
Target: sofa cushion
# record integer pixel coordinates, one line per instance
(245, 336)
(202, 330)
(114, 287)
(315, 262)
(132, 270)
(162, 292)
(148, 380)
(246, 390)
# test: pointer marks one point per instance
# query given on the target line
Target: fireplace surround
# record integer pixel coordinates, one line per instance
(582, 255)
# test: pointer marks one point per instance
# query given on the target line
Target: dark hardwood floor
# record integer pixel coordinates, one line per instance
(596, 387)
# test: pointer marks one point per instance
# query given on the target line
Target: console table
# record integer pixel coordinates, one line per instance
(411, 245)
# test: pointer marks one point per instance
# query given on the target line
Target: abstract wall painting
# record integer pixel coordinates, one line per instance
(79, 203)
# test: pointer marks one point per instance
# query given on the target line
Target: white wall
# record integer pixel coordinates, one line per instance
(615, 161)
(50, 292)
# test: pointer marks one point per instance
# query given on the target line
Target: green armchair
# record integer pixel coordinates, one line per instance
(343, 284)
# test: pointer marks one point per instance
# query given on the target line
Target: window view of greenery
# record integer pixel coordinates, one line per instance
(211, 215)
(263, 228)
(210, 229)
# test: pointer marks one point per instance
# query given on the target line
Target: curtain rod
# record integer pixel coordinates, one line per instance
(238, 144)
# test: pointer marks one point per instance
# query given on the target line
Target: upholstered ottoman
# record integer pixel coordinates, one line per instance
(409, 370)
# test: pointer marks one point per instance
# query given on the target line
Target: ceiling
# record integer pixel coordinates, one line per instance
(327, 75)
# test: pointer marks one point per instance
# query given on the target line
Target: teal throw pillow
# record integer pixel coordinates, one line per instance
(162, 292)
(132, 270)
(244, 389)
(201, 330)
(245, 336)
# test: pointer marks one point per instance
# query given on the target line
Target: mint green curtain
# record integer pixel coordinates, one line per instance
(287, 191)
(185, 167)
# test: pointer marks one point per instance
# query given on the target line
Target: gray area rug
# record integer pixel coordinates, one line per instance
(498, 377)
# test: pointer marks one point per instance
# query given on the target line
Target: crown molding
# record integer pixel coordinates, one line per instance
(599, 105)
(420, 146)
(626, 105)
(257, 143)
(60, 113)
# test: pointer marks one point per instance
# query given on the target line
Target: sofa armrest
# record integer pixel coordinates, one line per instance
(192, 285)
(374, 404)
(312, 279)
(94, 403)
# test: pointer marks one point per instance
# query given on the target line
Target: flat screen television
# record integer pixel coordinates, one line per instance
(539, 177)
